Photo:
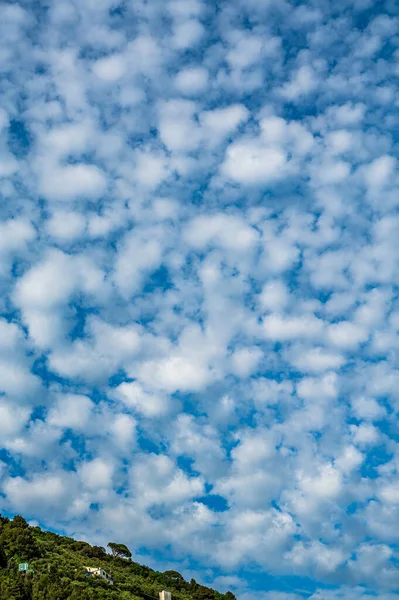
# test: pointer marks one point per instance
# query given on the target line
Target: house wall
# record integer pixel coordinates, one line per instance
(165, 595)
(100, 573)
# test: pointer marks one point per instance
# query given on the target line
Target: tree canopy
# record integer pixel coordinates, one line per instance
(119, 550)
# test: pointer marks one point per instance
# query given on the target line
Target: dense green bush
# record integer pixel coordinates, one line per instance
(57, 570)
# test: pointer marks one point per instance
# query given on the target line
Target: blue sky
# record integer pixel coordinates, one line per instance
(199, 286)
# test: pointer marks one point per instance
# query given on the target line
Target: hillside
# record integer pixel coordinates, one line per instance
(57, 570)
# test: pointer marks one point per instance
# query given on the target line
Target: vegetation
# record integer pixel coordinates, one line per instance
(119, 550)
(57, 570)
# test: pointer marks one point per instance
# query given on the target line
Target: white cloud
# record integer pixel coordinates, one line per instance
(178, 129)
(123, 431)
(66, 226)
(16, 380)
(246, 360)
(36, 288)
(367, 408)
(15, 235)
(96, 474)
(245, 52)
(390, 493)
(365, 434)
(187, 34)
(70, 411)
(250, 162)
(278, 328)
(46, 493)
(176, 372)
(227, 231)
(200, 442)
(316, 360)
(73, 181)
(339, 141)
(303, 82)
(379, 171)
(12, 419)
(346, 334)
(349, 460)
(312, 388)
(191, 82)
(266, 158)
(157, 472)
(110, 68)
(274, 296)
(326, 484)
(135, 397)
(151, 169)
(324, 558)
(222, 122)
(138, 255)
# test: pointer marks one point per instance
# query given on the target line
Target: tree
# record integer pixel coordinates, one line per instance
(12, 588)
(94, 551)
(3, 558)
(3, 520)
(19, 542)
(174, 579)
(79, 546)
(19, 522)
(204, 593)
(119, 550)
(230, 595)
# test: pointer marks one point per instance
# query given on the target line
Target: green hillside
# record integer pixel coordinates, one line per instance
(56, 570)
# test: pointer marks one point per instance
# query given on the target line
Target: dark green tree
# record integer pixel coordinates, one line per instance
(204, 593)
(19, 522)
(3, 558)
(94, 551)
(119, 550)
(20, 543)
(173, 575)
(174, 579)
(3, 520)
(12, 587)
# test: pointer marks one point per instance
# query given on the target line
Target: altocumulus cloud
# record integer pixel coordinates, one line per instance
(199, 286)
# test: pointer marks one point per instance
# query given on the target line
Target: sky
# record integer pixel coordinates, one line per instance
(199, 268)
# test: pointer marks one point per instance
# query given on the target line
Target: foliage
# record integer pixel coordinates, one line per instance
(59, 564)
(3, 558)
(119, 550)
(174, 579)
(19, 523)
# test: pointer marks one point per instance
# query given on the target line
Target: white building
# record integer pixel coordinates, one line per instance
(98, 572)
(165, 595)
